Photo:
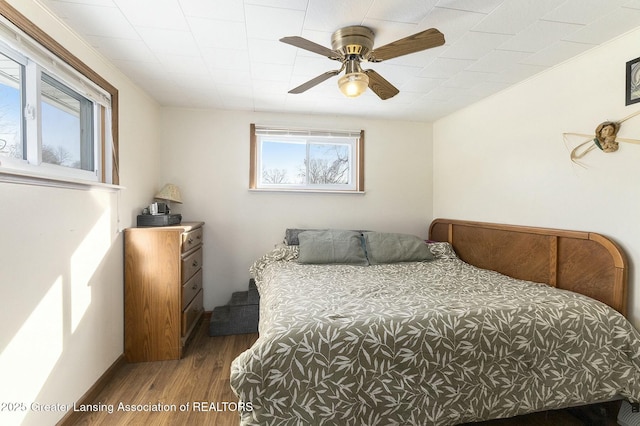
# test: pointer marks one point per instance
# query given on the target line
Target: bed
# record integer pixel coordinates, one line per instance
(500, 321)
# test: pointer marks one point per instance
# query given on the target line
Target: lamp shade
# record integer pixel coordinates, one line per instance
(169, 192)
(353, 85)
(355, 81)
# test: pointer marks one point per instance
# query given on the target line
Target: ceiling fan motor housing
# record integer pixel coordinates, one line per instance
(353, 40)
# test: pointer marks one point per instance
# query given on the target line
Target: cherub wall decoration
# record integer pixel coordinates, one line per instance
(605, 138)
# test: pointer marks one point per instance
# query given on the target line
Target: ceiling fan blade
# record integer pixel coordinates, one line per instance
(315, 81)
(414, 43)
(380, 86)
(305, 44)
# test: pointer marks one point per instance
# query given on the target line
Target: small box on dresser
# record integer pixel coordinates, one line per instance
(163, 298)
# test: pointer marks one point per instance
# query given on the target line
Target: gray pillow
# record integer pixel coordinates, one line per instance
(331, 246)
(291, 235)
(383, 247)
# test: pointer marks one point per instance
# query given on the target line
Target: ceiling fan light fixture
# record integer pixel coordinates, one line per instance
(352, 45)
(354, 84)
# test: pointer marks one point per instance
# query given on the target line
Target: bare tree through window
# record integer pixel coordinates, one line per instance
(274, 176)
(327, 164)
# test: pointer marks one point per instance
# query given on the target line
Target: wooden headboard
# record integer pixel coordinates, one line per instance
(583, 262)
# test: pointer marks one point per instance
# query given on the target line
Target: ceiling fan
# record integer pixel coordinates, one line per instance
(353, 44)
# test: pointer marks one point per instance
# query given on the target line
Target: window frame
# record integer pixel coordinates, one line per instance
(87, 120)
(106, 158)
(317, 137)
(21, 61)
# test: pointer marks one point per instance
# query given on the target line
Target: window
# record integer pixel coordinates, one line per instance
(11, 94)
(67, 126)
(58, 119)
(306, 160)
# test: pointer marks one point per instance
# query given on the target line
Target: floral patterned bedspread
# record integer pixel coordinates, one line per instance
(438, 342)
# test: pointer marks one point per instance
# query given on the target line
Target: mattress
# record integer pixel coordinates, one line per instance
(439, 342)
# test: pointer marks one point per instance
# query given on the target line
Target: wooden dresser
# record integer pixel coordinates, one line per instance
(162, 290)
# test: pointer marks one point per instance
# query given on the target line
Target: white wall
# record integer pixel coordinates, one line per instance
(504, 159)
(61, 285)
(206, 153)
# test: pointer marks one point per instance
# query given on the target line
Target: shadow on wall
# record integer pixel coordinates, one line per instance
(61, 295)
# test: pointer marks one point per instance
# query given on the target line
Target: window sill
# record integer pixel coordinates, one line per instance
(307, 191)
(22, 178)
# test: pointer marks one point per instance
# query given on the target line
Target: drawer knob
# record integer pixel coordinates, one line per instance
(195, 263)
(190, 240)
(195, 286)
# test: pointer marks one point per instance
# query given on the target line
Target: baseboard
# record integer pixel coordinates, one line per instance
(89, 397)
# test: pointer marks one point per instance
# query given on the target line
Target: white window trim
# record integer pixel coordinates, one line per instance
(32, 116)
(66, 68)
(34, 178)
(20, 42)
(354, 138)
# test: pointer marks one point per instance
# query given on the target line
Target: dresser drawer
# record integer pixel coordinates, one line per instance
(191, 288)
(191, 314)
(191, 239)
(191, 263)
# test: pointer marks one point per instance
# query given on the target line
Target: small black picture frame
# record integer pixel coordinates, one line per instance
(633, 82)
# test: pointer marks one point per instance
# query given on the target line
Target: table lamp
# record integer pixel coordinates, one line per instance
(168, 193)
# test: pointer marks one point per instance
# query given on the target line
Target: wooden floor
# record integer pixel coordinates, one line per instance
(202, 375)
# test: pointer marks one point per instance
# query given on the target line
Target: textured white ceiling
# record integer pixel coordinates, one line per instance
(226, 54)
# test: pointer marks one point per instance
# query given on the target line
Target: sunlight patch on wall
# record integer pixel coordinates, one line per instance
(32, 354)
(84, 263)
